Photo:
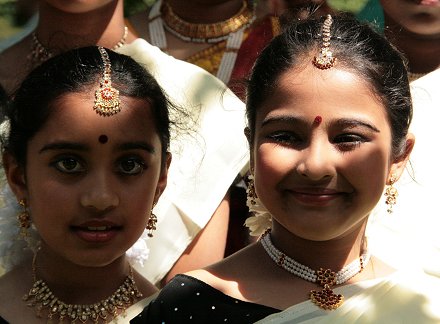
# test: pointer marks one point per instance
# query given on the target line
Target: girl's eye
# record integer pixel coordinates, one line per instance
(68, 165)
(131, 166)
(348, 142)
(284, 138)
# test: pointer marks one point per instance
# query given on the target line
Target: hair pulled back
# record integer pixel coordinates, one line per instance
(75, 71)
(358, 49)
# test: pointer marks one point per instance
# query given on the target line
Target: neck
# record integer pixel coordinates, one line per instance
(77, 284)
(63, 31)
(422, 52)
(205, 13)
(331, 254)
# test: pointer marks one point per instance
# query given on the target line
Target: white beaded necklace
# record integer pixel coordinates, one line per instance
(233, 43)
(325, 298)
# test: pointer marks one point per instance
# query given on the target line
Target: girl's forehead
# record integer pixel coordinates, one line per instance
(329, 94)
(74, 112)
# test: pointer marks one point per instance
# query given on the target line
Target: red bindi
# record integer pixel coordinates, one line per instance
(103, 139)
(317, 121)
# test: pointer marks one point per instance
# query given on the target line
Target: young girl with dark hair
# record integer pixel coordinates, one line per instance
(85, 152)
(328, 108)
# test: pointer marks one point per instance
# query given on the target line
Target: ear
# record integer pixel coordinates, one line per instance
(247, 133)
(398, 165)
(162, 183)
(15, 176)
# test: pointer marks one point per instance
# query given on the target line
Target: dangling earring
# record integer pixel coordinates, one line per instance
(261, 219)
(24, 219)
(391, 195)
(152, 221)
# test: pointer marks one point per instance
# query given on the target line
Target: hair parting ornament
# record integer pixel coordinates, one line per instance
(106, 97)
(325, 60)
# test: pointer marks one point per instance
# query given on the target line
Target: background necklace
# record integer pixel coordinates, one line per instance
(40, 53)
(40, 296)
(325, 298)
(232, 30)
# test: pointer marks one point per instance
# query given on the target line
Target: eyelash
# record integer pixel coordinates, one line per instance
(58, 165)
(140, 164)
(291, 139)
(284, 138)
(356, 141)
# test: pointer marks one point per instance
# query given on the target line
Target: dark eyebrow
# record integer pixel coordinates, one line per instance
(351, 123)
(283, 119)
(343, 122)
(63, 146)
(137, 146)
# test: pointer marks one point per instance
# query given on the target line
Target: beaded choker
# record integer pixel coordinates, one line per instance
(40, 296)
(326, 298)
(40, 53)
(205, 33)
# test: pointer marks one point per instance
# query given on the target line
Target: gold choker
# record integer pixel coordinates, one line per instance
(205, 33)
(40, 296)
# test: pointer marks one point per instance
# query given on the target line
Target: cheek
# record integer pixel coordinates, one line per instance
(367, 172)
(272, 163)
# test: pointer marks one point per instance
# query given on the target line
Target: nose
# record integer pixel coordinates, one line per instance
(316, 162)
(99, 193)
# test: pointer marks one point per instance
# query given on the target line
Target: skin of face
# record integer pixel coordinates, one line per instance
(415, 16)
(320, 182)
(78, 6)
(75, 185)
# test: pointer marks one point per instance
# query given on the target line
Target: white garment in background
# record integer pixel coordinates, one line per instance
(202, 168)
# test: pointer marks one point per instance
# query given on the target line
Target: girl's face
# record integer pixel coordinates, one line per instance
(321, 152)
(416, 16)
(90, 181)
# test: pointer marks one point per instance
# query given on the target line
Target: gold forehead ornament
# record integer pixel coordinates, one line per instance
(325, 60)
(107, 101)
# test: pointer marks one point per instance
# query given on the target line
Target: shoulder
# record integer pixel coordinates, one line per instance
(13, 286)
(14, 65)
(186, 299)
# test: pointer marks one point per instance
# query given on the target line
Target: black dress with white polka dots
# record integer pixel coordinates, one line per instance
(188, 300)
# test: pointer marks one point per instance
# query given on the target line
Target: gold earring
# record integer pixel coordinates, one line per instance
(24, 219)
(251, 194)
(391, 195)
(152, 221)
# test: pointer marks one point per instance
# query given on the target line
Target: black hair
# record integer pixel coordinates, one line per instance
(74, 71)
(3, 102)
(357, 47)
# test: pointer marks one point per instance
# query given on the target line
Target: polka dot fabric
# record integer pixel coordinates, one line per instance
(188, 300)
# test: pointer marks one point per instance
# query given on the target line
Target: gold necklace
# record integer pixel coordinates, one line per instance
(41, 297)
(205, 33)
(40, 53)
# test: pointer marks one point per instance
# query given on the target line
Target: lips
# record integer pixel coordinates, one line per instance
(96, 231)
(316, 197)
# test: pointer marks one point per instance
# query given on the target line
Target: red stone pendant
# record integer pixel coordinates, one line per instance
(326, 298)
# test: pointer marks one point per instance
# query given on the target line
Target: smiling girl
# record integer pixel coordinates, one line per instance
(328, 108)
(86, 156)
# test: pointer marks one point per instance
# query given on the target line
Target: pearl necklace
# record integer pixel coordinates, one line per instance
(234, 39)
(40, 53)
(325, 298)
(40, 296)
